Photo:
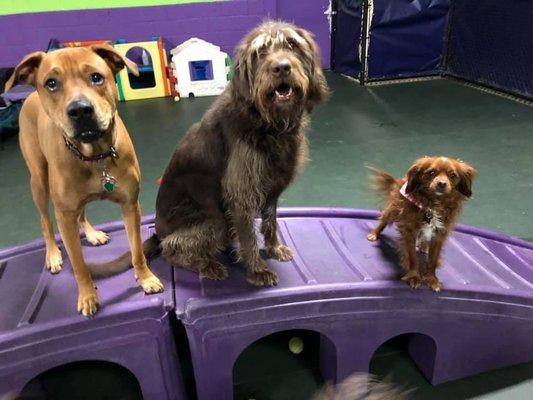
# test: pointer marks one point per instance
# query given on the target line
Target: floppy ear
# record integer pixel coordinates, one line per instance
(26, 71)
(114, 59)
(413, 178)
(242, 74)
(318, 87)
(466, 175)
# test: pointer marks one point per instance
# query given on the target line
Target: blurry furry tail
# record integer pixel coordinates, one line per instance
(151, 248)
(361, 387)
(381, 182)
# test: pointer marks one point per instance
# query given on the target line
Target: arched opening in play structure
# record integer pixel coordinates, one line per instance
(405, 357)
(143, 59)
(89, 379)
(290, 363)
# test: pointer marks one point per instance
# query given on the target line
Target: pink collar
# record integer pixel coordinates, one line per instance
(409, 197)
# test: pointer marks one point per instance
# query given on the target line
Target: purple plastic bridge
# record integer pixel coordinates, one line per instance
(339, 285)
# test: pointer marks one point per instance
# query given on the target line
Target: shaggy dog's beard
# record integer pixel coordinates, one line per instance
(280, 101)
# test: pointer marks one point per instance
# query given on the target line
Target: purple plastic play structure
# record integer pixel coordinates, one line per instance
(339, 285)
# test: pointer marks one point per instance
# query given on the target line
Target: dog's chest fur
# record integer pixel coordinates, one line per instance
(259, 169)
(430, 229)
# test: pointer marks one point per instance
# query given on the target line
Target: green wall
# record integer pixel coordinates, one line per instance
(32, 6)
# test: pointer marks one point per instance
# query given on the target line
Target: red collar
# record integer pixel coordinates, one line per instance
(411, 199)
(428, 213)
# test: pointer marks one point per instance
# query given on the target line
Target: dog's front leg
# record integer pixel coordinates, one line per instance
(409, 259)
(131, 213)
(67, 221)
(430, 278)
(258, 272)
(269, 229)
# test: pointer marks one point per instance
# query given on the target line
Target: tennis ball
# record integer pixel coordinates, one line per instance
(296, 345)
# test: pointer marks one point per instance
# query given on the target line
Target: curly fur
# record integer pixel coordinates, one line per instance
(233, 165)
(361, 387)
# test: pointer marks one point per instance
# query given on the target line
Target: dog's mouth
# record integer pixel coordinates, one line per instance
(283, 93)
(440, 191)
(88, 136)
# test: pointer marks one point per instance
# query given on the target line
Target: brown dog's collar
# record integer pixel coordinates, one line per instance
(428, 213)
(411, 199)
(112, 152)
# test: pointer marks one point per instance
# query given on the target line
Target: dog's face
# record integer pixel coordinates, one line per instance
(440, 177)
(76, 87)
(277, 67)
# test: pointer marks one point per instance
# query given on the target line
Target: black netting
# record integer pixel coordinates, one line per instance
(491, 43)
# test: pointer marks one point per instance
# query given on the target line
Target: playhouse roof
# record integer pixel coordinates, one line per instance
(195, 45)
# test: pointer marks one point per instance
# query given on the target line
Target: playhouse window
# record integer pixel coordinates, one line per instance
(201, 70)
(142, 58)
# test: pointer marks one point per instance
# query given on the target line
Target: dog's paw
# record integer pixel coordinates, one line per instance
(151, 284)
(97, 238)
(214, 271)
(413, 279)
(54, 261)
(88, 302)
(263, 277)
(372, 236)
(280, 253)
(433, 282)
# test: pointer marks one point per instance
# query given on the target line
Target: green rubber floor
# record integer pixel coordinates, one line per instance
(385, 126)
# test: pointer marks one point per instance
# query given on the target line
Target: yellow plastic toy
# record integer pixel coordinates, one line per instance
(158, 85)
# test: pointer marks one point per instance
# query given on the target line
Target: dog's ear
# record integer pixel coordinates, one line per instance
(242, 74)
(466, 175)
(413, 178)
(318, 87)
(26, 72)
(114, 59)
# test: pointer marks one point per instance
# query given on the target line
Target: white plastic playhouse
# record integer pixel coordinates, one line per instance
(201, 68)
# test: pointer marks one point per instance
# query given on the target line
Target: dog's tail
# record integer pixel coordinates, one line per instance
(362, 387)
(381, 182)
(151, 248)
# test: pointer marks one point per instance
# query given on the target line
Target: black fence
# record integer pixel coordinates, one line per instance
(487, 43)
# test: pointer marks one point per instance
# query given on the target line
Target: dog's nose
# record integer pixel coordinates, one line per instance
(281, 68)
(80, 109)
(441, 184)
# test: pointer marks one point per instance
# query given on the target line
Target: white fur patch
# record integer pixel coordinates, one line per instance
(280, 38)
(428, 231)
(259, 41)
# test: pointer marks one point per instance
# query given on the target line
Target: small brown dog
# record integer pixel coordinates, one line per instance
(235, 163)
(77, 149)
(425, 205)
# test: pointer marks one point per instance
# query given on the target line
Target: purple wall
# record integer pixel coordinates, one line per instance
(222, 23)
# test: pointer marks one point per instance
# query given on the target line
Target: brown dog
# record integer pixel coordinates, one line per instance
(77, 150)
(235, 163)
(425, 206)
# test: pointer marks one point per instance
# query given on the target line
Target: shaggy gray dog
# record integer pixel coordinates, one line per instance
(233, 165)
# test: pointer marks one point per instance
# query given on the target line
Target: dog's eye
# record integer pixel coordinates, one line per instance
(51, 84)
(453, 175)
(292, 42)
(97, 79)
(431, 172)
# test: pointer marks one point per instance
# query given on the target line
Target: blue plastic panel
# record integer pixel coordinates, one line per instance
(491, 43)
(345, 54)
(407, 38)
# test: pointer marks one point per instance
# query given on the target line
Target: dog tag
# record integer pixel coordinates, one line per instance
(428, 216)
(108, 182)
